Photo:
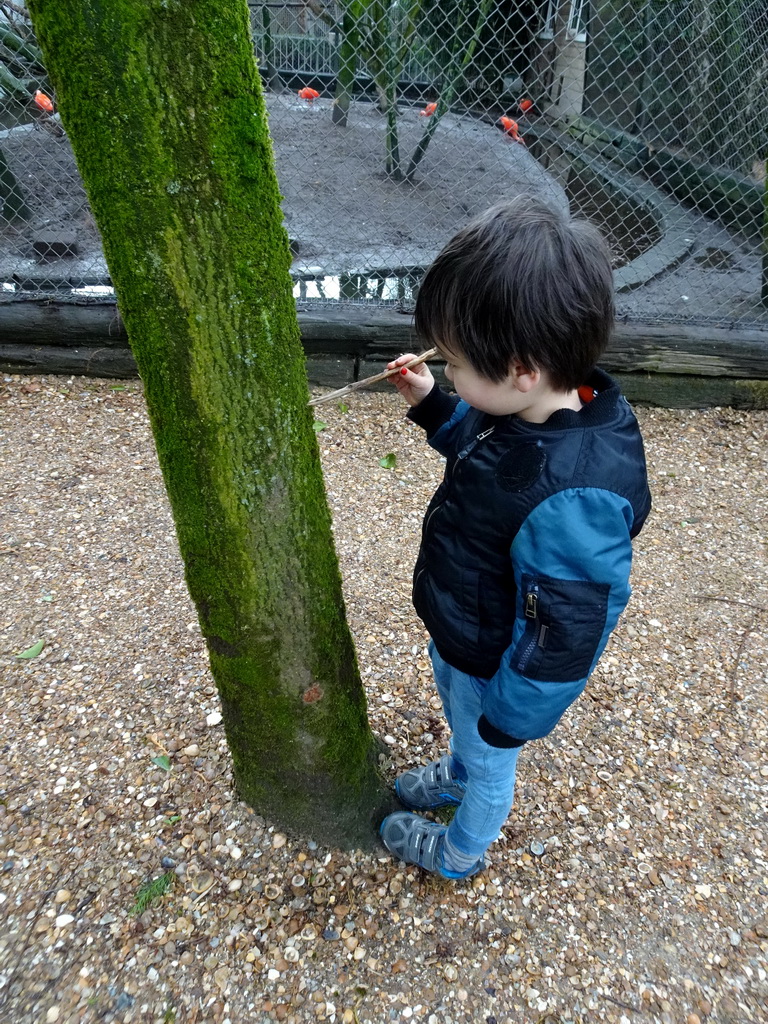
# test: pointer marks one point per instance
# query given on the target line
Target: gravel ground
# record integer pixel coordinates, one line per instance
(630, 884)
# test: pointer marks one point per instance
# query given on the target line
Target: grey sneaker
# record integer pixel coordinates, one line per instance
(417, 841)
(432, 785)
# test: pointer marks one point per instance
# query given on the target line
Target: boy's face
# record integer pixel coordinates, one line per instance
(497, 398)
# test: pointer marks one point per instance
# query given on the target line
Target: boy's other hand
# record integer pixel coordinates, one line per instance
(414, 385)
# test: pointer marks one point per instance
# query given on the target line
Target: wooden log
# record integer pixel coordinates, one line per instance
(679, 392)
(57, 322)
(674, 391)
(54, 322)
(330, 372)
(85, 360)
(353, 342)
(668, 348)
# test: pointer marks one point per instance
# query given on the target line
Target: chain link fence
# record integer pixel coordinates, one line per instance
(396, 121)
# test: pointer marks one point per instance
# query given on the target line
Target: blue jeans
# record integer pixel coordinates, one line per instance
(488, 772)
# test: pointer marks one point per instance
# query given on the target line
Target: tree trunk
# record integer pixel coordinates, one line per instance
(345, 80)
(12, 203)
(456, 68)
(163, 105)
(270, 71)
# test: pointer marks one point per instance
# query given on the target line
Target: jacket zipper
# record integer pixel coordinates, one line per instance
(531, 611)
(461, 456)
(474, 442)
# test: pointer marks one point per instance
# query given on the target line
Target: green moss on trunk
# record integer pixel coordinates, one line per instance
(163, 104)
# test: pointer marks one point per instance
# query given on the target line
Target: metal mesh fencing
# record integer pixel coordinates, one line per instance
(396, 121)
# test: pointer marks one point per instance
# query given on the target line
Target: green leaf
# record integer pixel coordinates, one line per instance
(47, 597)
(118, 387)
(319, 425)
(163, 762)
(343, 407)
(389, 461)
(33, 651)
(151, 891)
(173, 819)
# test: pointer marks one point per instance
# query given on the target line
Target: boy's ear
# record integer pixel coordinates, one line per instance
(523, 378)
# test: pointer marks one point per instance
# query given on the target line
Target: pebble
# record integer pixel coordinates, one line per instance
(668, 771)
(202, 882)
(64, 920)
(214, 718)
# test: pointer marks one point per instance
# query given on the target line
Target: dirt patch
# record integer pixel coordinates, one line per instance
(340, 207)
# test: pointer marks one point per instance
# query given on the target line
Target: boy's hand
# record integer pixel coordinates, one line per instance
(414, 385)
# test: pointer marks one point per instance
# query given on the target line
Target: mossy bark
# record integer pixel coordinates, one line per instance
(163, 105)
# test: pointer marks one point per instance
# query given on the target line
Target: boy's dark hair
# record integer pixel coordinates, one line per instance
(521, 281)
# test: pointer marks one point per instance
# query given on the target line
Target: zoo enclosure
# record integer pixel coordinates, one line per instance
(647, 116)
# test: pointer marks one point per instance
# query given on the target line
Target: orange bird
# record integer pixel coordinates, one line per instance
(510, 128)
(43, 102)
(526, 105)
(429, 110)
(308, 94)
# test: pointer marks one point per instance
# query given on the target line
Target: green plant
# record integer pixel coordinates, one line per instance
(151, 891)
(462, 53)
(21, 63)
(385, 30)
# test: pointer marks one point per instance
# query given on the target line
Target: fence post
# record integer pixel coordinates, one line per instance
(764, 292)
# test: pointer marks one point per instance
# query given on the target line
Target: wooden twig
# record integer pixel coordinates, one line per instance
(358, 384)
(758, 609)
(730, 600)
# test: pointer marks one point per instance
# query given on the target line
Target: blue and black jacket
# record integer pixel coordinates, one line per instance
(526, 549)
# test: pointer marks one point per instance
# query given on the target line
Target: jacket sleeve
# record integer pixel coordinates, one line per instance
(571, 561)
(439, 414)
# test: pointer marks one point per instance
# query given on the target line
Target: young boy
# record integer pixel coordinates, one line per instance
(526, 545)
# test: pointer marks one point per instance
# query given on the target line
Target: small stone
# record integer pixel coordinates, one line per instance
(272, 974)
(63, 920)
(537, 848)
(191, 751)
(278, 840)
(52, 1015)
(62, 896)
(235, 884)
(213, 719)
(54, 245)
(202, 882)
(693, 1018)
(330, 934)
(450, 973)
